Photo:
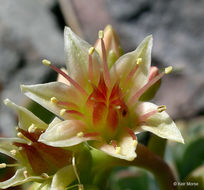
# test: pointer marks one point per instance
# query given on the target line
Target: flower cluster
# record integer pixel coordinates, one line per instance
(99, 99)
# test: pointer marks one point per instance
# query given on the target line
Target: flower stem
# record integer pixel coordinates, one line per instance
(145, 159)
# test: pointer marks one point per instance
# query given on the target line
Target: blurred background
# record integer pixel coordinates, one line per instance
(32, 30)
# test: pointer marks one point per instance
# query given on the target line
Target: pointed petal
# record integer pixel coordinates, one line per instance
(77, 61)
(127, 148)
(26, 117)
(63, 178)
(18, 179)
(42, 93)
(127, 62)
(160, 123)
(6, 146)
(64, 134)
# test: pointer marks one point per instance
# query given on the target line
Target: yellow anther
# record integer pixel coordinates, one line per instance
(32, 128)
(20, 148)
(62, 112)
(46, 62)
(161, 108)
(100, 34)
(80, 134)
(44, 175)
(25, 173)
(139, 61)
(91, 50)
(3, 165)
(134, 143)
(118, 150)
(117, 107)
(20, 135)
(168, 69)
(13, 152)
(6, 101)
(53, 100)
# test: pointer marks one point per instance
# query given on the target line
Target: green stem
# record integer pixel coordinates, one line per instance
(145, 159)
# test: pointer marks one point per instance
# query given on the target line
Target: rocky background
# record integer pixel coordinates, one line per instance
(33, 30)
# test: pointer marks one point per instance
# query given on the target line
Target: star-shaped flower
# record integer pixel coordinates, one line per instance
(99, 98)
(35, 161)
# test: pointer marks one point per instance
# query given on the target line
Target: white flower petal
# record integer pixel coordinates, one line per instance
(127, 62)
(42, 93)
(26, 118)
(126, 145)
(64, 134)
(160, 123)
(63, 178)
(77, 61)
(18, 179)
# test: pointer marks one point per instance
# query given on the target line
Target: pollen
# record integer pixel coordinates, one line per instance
(161, 108)
(139, 61)
(13, 152)
(100, 34)
(46, 62)
(25, 173)
(168, 69)
(91, 50)
(134, 143)
(2, 165)
(32, 128)
(80, 134)
(62, 112)
(53, 100)
(118, 149)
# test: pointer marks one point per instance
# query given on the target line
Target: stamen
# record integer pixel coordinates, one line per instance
(67, 104)
(81, 187)
(132, 134)
(20, 135)
(62, 112)
(80, 134)
(32, 128)
(13, 152)
(75, 168)
(132, 72)
(75, 112)
(105, 65)
(25, 173)
(53, 100)
(161, 108)
(91, 50)
(147, 115)
(74, 83)
(2, 165)
(118, 149)
(45, 175)
(134, 143)
(148, 85)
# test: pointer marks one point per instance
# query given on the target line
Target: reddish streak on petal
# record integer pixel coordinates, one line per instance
(102, 86)
(116, 92)
(93, 134)
(112, 118)
(131, 133)
(68, 104)
(99, 109)
(131, 73)
(98, 95)
(90, 68)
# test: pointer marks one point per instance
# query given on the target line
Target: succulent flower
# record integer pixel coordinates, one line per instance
(35, 161)
(100, 101)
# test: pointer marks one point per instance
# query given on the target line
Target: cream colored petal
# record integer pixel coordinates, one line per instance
(160, 123)
(125, 150)
(18, 179)
(77, 61)
(63, 178)
(64, 134)
(127, 62)
(42, 93)
(25, 117)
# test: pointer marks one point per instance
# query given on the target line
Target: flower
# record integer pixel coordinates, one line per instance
(35, 161)
(100, 101)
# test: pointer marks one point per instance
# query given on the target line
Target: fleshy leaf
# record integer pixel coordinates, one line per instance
(42, 93)
(127, 62)
(63, 178)
(26, 117)
(18, 179)
(77, 61)
(160, 123)
(64, 134)
(127, 148)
